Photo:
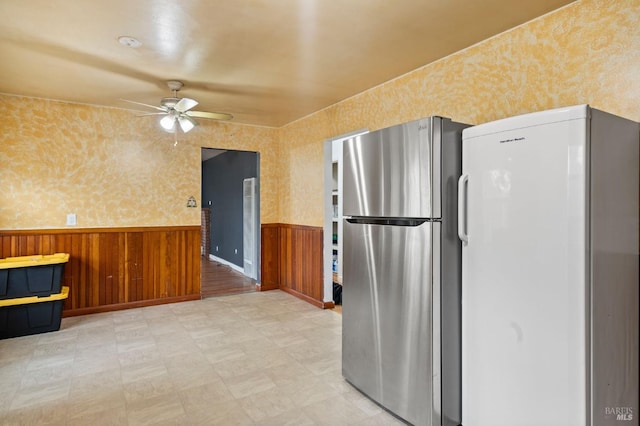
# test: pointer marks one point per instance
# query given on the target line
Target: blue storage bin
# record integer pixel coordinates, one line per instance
(31, 315)
(35, 275)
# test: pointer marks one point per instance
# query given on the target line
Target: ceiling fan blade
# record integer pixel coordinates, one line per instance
(147, 105)
(186, 123)
(185, 104)
(150, 113)
(210, 115)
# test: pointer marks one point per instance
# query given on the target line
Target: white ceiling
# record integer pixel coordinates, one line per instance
(267, 62)
(209, 153)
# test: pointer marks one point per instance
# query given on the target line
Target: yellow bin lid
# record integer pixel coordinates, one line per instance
(35, 299)
(34, 260)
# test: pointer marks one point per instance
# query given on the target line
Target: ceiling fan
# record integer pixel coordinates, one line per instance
(177, 111)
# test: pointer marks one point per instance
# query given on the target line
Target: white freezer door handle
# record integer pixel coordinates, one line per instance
(462, 208)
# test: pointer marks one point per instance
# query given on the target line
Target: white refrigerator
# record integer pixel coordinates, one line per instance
(548, 218)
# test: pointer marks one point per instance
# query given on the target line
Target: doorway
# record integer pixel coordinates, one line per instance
(230, 194)
(332, 253)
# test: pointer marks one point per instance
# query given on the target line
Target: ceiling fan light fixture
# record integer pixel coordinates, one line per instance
(177, 111)
(186, 123)
(168, 122)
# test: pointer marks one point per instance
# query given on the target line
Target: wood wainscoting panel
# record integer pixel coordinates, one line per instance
(270, 257)
(117, 268)
(292, 260)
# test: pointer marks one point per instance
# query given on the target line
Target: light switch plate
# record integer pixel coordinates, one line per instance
(71, 219)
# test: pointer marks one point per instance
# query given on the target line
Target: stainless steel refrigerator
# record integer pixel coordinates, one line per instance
(549, 218)
(401, 274)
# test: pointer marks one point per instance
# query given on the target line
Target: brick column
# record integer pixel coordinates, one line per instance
(205, 240)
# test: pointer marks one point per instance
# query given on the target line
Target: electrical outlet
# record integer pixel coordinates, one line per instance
(216, 248)
(236, 251)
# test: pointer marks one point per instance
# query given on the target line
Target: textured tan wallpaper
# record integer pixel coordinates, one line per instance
(114, 170)
(588, 52)
(110, 168)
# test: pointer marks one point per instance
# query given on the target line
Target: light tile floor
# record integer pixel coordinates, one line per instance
(250, 359)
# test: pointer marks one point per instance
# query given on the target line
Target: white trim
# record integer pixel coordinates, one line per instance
(249, 219)
(227, 263)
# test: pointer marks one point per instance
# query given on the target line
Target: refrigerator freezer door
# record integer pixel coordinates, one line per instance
(524, 302)
(388, 173)
(387, 350)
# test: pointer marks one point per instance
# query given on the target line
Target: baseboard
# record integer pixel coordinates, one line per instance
(329, 305)
(128, 305)
(262, 287)
(304, 297)
(227, 263)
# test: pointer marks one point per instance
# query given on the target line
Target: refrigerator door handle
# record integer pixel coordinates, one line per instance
(462, 208)
(388, 221)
